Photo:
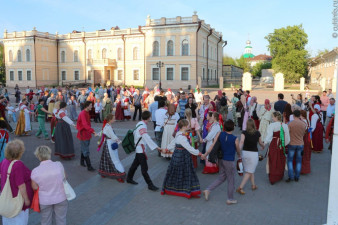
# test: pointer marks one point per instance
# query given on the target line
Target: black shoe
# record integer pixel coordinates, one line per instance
(152, 187)
(131, 182)
(288, 180)
(89, 165)
(296, 179)
(82, 162)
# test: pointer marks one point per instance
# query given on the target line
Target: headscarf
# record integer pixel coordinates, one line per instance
(169, 89)
(253, 100)
(213, 105)
(147, 89)
(267, 104)
(220, 94)
(316, 108)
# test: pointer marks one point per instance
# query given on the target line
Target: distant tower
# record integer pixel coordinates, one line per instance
(248, 50)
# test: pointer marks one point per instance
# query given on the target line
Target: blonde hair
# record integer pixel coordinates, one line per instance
(250, 126)
(188, 114)
(14, 149)
(43, 152)
(277, 115)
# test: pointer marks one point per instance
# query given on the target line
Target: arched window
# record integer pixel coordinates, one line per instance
(19, 56)
(10, 56)
(76, 56)
(104, 53)
(135, 53)
(156, 48)
(63, 56)
(28, 55)
(185, 47)
(170, 48)
(119, 54)
(90, 54)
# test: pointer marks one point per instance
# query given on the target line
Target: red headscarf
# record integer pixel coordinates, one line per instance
(213, 105)
(267, 104)
(220, 94)
(169, 89)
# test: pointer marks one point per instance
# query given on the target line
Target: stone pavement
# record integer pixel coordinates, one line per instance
(105, 201)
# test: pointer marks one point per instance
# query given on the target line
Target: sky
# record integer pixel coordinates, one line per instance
(238, 20)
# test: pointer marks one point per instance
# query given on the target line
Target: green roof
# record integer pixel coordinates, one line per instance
(248, 47)
(248, 55)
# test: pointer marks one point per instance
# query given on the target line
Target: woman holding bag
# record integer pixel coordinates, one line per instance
(19, 179)
(48, 177)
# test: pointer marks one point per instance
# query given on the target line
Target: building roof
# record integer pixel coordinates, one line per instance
(261, 57)
(248, 55)
(320, 58)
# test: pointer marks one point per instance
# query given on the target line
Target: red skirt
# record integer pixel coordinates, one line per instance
(119, 112)
(53, 123)
(256, 123)
(306, 159)
(276, 160)
(317, 137)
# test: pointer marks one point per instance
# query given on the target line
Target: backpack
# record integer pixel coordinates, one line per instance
(223, 101)
(128, 143)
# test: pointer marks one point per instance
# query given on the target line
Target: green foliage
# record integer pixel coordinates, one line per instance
(243, 63)
(2, 65)
(257, 69)
(287, 48)
(322, 52)
(227, 60)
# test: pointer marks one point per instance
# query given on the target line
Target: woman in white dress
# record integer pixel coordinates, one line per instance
(265, 117)
(169, 127)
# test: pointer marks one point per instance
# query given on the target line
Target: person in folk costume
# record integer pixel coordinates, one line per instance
(246, 111)
(149, 99)
(306, 159)
(240, 110)
(170, 122)
(234, 101)
(329, 132)
(23, 126)
(145, 95)
(91, 98)
(206, 124)
(169, 94)
(4, 138)
(317, 129)
(315, 100)
(51, 103)
(64, 146)
(107, 106)
(181, 179)
(126, 106)
(265, 116)
(119, 115)
(214, 128)
(53, 121)
(110, 164)
(278, 137)
(253, 106)
(3, 106)
(142, 139)
(72, 104)
(60, 97)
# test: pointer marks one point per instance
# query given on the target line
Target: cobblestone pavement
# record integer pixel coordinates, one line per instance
(105, 201)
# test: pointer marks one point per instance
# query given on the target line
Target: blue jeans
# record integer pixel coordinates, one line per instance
(85, 147)
(292, 151)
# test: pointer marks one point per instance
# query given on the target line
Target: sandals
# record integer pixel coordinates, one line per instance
(254, 187)
(240, 190)
(206, 194)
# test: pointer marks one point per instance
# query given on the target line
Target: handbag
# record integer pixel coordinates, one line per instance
(216, 152)
(35, 202)
(69, 191)
(254, 113)
(9, 206)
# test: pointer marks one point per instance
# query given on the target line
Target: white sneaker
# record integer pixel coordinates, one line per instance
(230, 202)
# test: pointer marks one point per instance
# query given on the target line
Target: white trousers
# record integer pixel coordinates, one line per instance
(20, 219)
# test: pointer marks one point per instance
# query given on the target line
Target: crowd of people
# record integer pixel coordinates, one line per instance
(191, 130)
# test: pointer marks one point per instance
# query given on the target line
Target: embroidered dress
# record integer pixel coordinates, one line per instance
(212, 132)
(64, 146)
(317, 133)
(168, 130)
(234, 101)
(107, 108)
(265, 119)
(72, 104)
(119, 111)
(24, 123)
(50, 103)
(193, 138)
(110, 164)
(4, 138)
(181, 179)
(53, 123)
(126, 108)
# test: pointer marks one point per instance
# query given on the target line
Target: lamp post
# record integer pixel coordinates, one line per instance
(160, 64)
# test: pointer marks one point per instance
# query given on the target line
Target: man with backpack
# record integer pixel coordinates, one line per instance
(141, 139)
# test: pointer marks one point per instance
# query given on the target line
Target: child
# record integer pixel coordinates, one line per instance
(11, 113)
(98, 109)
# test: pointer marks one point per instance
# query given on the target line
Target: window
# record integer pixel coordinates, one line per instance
(108, 75)
(185, 47)
(76, 56)
(119, 54)
(89, 75)
(185, 73)
(156, 73)
(104, 53)
(19, 56)
(135, 53)
(170, 48)
(76, 75)
(19, 74)
(170, 73)
(11, 75)
(63, 75)
(10, 56)
(63, 56)
(215, 75)
(29, 74)
(156, 48)
(211, 53)
(28, 55)
(203, 50)
(136, 74)
(203, 74)
(119, 74)
(90, 54)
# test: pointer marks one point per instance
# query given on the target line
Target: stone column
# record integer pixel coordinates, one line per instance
(221, 83)
(302, 83)
(334, 85)
(322, 83)
(199, 81)
(247, 81)
(279, 82)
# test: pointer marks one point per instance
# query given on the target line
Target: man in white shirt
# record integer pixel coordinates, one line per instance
(330, 110)
(28, 90)
(160, 116)
(141, 139)
(198, 97)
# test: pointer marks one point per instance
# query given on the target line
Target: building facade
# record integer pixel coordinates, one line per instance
(190, 52)
(260, 59)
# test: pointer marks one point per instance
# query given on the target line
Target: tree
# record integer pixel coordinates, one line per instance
(257, 69)
(287, 48)
(227, 60)
(2, 65)
(322, 52)
(243, 63)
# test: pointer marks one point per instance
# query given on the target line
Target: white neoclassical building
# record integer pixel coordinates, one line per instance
(189, 49)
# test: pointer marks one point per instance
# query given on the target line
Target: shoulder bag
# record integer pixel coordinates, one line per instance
(69, 191)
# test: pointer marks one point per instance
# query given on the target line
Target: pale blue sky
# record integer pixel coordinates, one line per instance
(234, 18)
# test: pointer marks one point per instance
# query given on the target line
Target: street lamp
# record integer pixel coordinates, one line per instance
(160, 64)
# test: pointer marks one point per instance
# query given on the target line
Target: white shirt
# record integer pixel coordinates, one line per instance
(215, 128)
(274, 127)
(27, 91)
(98, 107)
(181, 139)
(198, 97)
(314, 119)
(62, 114)
(142, 131)
(109, 132)
(160, 115)
(174, 118)
(202, 110)
(330, 109)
